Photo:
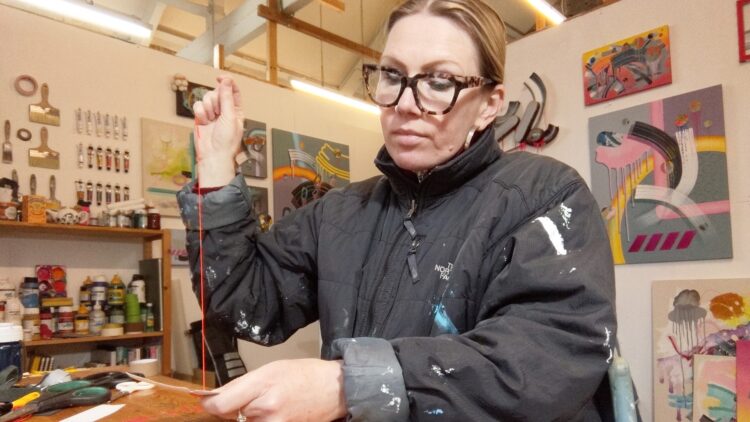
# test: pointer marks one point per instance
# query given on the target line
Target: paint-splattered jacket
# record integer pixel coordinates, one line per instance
(485, 292)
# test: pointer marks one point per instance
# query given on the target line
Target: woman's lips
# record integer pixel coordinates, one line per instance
(407, 138)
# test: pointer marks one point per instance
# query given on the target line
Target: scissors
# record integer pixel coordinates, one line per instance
(87, 391)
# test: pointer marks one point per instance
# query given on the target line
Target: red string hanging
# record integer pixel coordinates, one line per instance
(202, 277)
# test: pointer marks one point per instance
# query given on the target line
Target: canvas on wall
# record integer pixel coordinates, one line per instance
(690, 318)
(167, 163)
(184, 100)
(254, 145)
(659, 175)
(714, 392)
(627, 66)
(304, 169)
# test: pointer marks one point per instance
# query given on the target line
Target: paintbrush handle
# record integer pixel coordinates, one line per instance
(45, 94)
(43, 134)
(7, 131)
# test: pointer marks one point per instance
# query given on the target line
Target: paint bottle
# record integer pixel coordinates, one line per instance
(65, 320)
(149, 317)
(99, 289)
(30, 292)
(82, 320)
(116, 296)
(31, 322)
(7, 290)
(45, 324)
(137, 287)
(153, 218)
(97, 319)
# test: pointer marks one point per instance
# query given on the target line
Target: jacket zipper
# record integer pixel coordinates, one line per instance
(411, 256)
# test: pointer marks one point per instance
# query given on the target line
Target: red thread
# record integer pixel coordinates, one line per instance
(200, 246)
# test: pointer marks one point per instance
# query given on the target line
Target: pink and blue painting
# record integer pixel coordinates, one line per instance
(305, 169)
(693, 318)
(659, 174)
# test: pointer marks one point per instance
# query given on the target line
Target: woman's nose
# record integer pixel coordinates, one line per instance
(407, 104)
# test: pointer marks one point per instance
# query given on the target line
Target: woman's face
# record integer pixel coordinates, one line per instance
(423, 43)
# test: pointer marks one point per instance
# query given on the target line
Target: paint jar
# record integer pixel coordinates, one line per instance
(97, 319)
(140, 219)
(154, 219)
(45, 324)
(124, 220)
(116, 296)
(30, 292)
(99, 289)
(149, 317)
(7, 290)
(117, 315)
(65, 320)
(31, 322)
(82, 320)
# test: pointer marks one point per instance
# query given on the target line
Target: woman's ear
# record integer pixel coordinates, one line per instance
(490, 107)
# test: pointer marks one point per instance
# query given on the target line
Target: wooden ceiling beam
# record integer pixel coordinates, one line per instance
(316, 32)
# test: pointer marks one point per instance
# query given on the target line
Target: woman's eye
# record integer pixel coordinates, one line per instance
(440, 84)
(391, 77)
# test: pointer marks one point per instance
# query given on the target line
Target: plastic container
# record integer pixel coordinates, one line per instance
(7, 289)
(116, 295)
(140, 219)
(31, 322)
(117, 315)
(84, 295)
(137, 287)
(97, 319)
(13, 311)
(65, 320)
(10, 345)
(30, 292)
(82, 320)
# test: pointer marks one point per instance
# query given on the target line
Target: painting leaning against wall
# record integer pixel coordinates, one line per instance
(691, 318)
(659, 174)
(627, 66)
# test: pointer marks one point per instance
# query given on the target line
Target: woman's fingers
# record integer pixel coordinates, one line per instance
(200, 113)
(227, 96)
(209, 101)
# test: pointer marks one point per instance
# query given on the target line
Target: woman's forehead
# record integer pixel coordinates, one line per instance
(424, 40)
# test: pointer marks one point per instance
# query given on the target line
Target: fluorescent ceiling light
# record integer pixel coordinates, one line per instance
(333, 96)
(90, 14)
(549, 12)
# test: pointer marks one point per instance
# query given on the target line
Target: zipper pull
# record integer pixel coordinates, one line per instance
(412, 209)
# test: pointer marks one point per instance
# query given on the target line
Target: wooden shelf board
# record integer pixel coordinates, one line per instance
(16, 228)
(89, 339)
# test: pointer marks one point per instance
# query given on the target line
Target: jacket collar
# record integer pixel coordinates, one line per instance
(447, 176)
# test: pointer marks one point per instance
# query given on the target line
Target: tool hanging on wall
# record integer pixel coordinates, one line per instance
(116, 127)
(98, 124)
(44, 156)
(53, 202)
(79, 120)
(81, 158)
(89, 192)
(32, 184)
(7, 146)
(43, 112)
(99, 193)
(106, 126)
(124, 129)
(90, 155)
(89, 125)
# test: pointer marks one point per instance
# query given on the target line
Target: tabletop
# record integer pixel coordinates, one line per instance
(156, 404)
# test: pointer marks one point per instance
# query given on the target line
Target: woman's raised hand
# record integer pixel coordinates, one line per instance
(218, 133)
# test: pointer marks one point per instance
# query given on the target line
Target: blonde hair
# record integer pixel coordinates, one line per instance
(481, 22)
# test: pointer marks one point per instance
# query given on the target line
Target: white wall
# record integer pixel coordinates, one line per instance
(95, 72)
(704, 53)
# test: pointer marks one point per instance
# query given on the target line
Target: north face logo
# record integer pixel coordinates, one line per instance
(445, 272)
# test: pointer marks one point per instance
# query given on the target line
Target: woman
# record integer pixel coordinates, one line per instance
(465, 283)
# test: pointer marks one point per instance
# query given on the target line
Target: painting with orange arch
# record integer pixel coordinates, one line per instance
(305, 169)
(659, 176)
(627, 66)
(696, 318)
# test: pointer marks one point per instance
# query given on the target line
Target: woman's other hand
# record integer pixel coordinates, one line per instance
(284, 390)
(218, 133)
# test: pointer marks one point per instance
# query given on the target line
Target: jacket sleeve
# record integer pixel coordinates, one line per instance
(261, 286)
(544, 337)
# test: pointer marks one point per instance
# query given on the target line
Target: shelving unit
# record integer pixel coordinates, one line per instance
(14, 229)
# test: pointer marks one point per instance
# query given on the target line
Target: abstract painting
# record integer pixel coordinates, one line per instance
(184, 100)
(659, 174)
(254, 147)
(743, 380)
(305, 169)
(167, 163)
(743, 29)
(714, 391)
(690, 318)
(627, 66)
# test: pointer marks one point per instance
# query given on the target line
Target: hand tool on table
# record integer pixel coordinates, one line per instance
(87, 391)
(7, 146)
(43, 112)
(44, 156)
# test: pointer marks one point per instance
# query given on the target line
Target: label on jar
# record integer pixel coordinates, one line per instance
(65, 325)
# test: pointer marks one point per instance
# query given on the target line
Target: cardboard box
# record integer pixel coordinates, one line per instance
(34, 209)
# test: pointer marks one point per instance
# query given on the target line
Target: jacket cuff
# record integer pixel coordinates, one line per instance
(373, 382)
(221, 207)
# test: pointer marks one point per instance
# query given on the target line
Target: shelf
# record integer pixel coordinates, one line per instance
(89, 339)
(17, 229)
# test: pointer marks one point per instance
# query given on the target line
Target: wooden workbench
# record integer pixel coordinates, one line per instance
(156, 404)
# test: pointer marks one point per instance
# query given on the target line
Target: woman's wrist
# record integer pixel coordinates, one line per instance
(215, 171)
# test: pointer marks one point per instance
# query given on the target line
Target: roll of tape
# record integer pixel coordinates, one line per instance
(148, 367)
(20, 89)
(110, 330)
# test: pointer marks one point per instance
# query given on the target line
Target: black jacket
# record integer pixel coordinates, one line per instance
(485, 292)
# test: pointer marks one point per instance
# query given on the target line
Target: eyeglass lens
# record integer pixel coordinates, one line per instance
(434, 93)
